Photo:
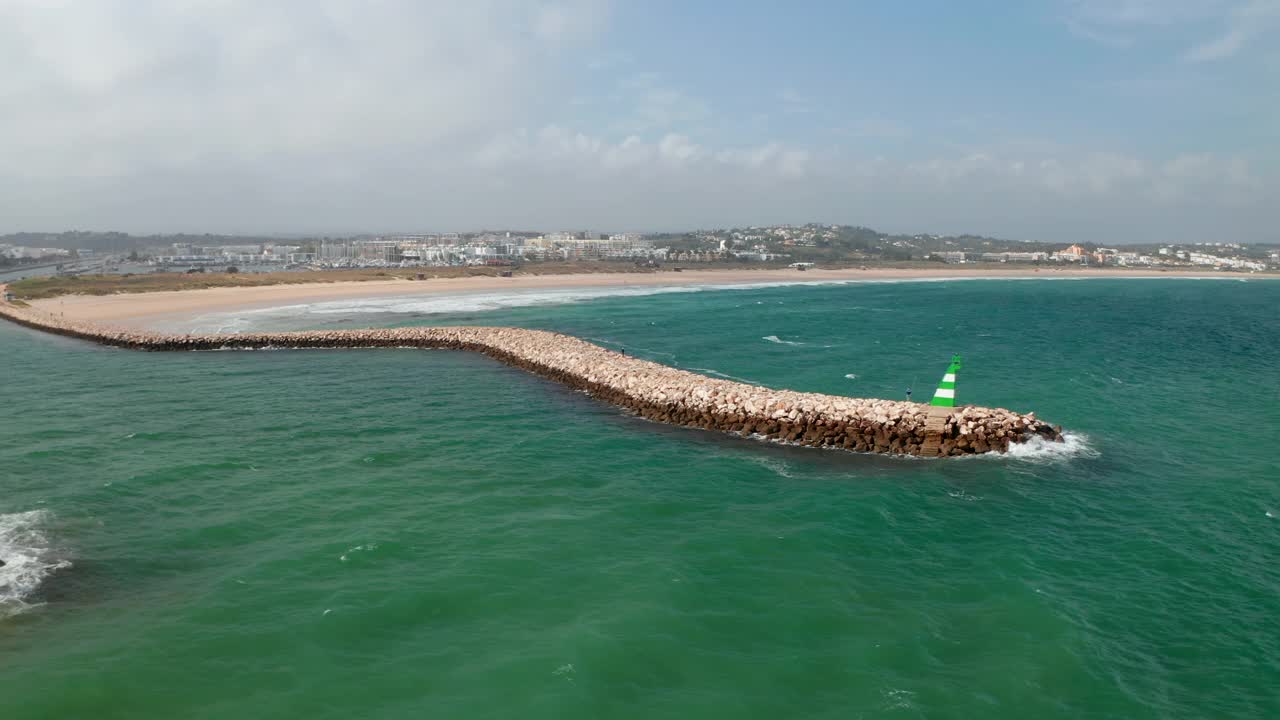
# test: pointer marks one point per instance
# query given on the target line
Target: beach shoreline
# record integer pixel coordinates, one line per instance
(158, 309)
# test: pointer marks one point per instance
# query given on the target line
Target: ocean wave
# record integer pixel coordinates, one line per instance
(1037, 449)
(470, 302)
(480, 302)
(726, 376)
(232, 325)
(358, 548)
(422, 305)
(777, 466)
(464, 302)
(28, 559)
(780, 341)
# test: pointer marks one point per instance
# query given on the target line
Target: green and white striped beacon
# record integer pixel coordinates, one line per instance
(945, 396)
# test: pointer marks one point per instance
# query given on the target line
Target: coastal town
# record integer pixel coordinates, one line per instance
(798, 246)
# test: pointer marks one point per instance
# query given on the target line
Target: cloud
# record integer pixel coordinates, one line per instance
(559, 177)
(1204, 179)
(1230, 24)
(113, 87)
(1223, 47)
(560, 152)
(645, 102)
(1143, 13)
(338, 116)
(795, 103)
(1110, 38)
(1027, 189)
(1244, 24)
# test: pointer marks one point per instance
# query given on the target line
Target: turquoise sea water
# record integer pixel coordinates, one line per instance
(406, 534)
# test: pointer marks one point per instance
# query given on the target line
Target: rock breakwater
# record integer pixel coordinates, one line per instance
(651, 390)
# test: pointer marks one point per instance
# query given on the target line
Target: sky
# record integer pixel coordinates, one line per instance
(1109, 121)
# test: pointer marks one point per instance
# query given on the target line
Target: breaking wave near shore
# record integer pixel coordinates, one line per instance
(420, 305)
(1073, 445)
(28, 559)
(469, 302)
(447, 302)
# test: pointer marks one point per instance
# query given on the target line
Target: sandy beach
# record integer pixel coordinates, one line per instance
(156, 309)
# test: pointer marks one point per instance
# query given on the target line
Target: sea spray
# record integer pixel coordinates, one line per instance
(779, 341)
(1073, 445)
(28, 559)
(243, 321)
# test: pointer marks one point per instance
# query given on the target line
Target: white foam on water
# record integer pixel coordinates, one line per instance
(777, 466)
(851, 376)
(895, 699)
(243, 320)
(358, 548)
(474, 302)
(565, 671)
(469, 302)
(775, 339)
(1037, 449)
(28, 559)
(726, 376)
(230, 323)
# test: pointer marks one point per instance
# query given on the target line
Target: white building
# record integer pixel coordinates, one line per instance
(1006, 257)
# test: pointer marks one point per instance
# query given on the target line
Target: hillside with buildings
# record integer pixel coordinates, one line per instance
(852, 244)
(819, 244)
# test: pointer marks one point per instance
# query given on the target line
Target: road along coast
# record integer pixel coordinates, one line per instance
(651, 390)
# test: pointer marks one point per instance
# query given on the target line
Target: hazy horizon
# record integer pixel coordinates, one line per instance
(340, 235)
(1051, 121)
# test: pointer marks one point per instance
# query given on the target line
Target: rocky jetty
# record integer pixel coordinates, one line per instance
(653, 391)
